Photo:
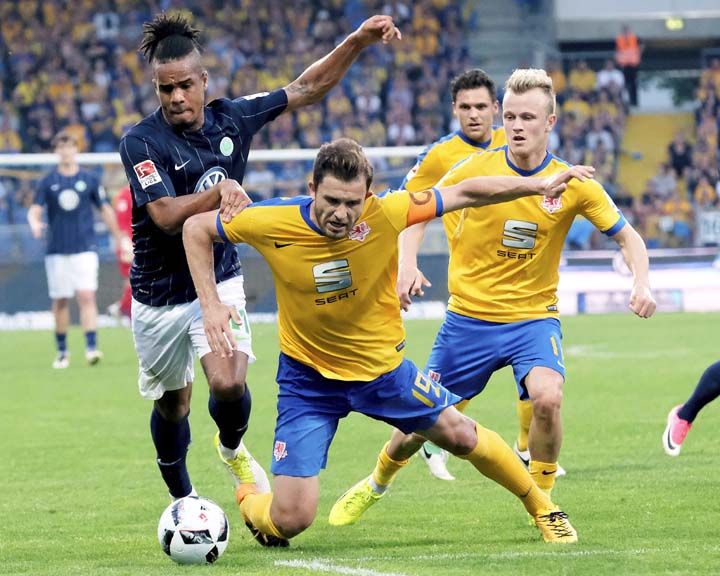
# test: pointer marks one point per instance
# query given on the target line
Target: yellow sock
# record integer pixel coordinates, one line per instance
(544, 474)
(525, 414)
(386, 468)
(256, 508)
(495, 459)
(462, 405)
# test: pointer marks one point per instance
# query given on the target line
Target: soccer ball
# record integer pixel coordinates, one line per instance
(193, 530)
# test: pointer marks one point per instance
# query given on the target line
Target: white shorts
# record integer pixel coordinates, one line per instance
(68, 273)
(168, 337)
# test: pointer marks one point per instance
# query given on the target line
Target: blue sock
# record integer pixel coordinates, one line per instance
(61, 342)
(706, 391)
(231, 417)
(171, 441)
(91, 340)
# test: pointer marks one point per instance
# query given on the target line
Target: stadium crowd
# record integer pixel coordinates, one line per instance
(94, 85)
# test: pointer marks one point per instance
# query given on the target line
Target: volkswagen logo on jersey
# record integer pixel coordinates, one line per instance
(210, 178)
(68, 199)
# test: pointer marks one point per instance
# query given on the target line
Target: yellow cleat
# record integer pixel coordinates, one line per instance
(243, 468)
(352, 505)
(555, 527)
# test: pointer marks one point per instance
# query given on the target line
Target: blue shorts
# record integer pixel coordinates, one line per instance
(467, 351)
(310, 407)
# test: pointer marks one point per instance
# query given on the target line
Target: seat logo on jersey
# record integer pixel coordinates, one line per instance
(519, 234)
(68, 199)
(332, 276)
(359, 232)
(551, 204)
(147, 173)
(210, 178)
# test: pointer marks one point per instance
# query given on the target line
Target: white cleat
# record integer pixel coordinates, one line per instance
(92, 357)
(437, 463)
(62, 361)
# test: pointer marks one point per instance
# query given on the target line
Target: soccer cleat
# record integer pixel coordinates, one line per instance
(675, 432)
(524, 456)
(352, 505)
(268, 540)
(243, 468)
(62, 361)
(437, 463)
(92, 357)
(555, 527)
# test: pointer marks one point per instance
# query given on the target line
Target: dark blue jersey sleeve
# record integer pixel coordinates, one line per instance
(41, 191)
(256, 110)
(145, 169)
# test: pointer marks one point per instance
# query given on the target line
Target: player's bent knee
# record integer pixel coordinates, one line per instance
(291, 521)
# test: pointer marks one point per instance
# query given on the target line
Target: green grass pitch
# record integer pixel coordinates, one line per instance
(82, 495)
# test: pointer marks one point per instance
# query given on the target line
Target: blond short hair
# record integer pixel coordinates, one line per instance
(525, 79)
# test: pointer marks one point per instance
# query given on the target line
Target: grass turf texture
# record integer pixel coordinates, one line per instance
(82, 494)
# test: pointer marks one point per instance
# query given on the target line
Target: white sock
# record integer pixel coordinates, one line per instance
(377, 488)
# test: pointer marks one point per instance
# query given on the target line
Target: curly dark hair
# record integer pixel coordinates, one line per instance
(169, 37)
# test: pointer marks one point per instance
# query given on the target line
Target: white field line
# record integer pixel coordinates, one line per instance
(327, 565)
(322, 566)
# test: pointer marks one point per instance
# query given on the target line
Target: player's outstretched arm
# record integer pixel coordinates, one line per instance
(199, 233)
(486, 190)
(635, 254)
(410, 280)
(321, 76)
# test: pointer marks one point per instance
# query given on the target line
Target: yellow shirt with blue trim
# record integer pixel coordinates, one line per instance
(505, 258)
(439, 157)
(337, 307)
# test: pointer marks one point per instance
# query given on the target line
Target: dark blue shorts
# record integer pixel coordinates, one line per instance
(467, 351)
(310, 407)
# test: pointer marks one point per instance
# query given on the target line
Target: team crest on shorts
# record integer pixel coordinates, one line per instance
(279, 451)
(359, 232)
(434, 376)
(551, 204)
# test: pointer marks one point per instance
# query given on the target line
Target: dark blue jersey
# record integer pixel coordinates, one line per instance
(69, 202)
(161, 161)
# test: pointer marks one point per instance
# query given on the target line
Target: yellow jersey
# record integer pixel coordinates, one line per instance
(437, 160)
(505, 258)
(337, 307)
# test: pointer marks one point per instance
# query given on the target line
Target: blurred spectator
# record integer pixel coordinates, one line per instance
(705, 194)
(664, 182)
(582, 79)
(610, 78)
(680, 153)
(627, 55)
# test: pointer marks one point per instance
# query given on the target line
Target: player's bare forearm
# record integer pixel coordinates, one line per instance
(34, 217)
(486, 190)
(108, 216)
(642, 302)
(321, 76)
(170, 213)
(199, 233)
(409, 244)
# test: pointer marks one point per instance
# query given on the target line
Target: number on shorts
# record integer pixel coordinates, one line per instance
(244, 325)
(424, 386)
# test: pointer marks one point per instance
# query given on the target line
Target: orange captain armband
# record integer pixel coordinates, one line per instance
(424, 205)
